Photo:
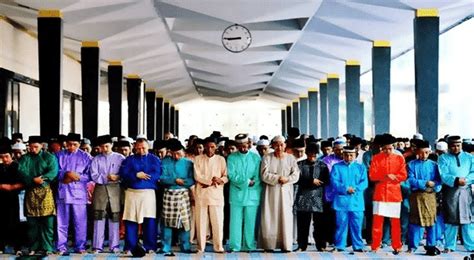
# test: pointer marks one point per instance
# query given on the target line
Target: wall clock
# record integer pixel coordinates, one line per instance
(236, 38)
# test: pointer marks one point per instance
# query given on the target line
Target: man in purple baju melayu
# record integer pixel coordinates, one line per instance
(104, 171)
(72, 194)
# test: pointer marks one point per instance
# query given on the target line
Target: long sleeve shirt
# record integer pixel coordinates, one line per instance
(420, 172)
(242, 169)
(272, 168)
(103, 165)
(149, 164)
(309, 197)
(43, 164)
(78, 162)
(387, 190)
(9, 175)
(205, 168)
(345, 175)
(330, 160)
(452, 167)
(172, 170)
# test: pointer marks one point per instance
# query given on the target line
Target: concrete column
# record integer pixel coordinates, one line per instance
(150, 97)
(283, 122)
(288, 118)
(90, 75)
(333, 105)
(159, 118)
(172, 122)
(323, 100)
(304, 114)
(133, 97)
(426, 30)
(381, 59)
(166, 117)
(353, 112)
(50, 56)
(115, 81)
(176, 124)
(313, 112)
(362, 125)
(296, 116)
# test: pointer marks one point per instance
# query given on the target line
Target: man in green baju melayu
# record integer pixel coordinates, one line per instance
(243, 170)
(38, 168)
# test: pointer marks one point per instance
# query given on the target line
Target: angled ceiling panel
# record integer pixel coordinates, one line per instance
(175, 45)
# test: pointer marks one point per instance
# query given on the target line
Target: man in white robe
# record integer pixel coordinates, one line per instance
(279, 171)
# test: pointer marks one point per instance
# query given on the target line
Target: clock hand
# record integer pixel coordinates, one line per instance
(232, 38)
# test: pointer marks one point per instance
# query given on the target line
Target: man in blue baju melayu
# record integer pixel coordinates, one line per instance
(349, 180)
(425, 182)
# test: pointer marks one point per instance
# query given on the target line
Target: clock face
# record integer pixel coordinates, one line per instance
(236, 38)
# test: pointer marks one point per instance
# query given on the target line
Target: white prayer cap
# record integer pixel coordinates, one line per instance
(128, 139)
(142, 136)
(114, 139)
(19, 146)
(254, 138)
(278, 138)
(263, 142)
(418, 136)
(221, 143)
(442, 146)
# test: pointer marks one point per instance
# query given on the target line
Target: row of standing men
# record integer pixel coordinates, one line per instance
(256, 184)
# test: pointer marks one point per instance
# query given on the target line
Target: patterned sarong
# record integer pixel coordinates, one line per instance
(423, 208)
(39, 202)
(177, 209)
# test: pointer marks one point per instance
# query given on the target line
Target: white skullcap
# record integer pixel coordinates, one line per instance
(442, 146)
(418, 136)
(19, 146)
(142, 136)
(263, 142)
(278, 138)
(221, 143)
(128, 139)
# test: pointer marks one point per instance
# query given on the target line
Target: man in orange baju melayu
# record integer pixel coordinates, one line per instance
(387, 170)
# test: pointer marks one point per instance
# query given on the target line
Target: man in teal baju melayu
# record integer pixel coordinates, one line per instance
(176, 178)
(243, 170)
(457, 175)
(38, 169)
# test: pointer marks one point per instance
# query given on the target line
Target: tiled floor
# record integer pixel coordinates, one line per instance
(385, 253)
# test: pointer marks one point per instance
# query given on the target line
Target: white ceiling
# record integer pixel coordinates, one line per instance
(175, 45)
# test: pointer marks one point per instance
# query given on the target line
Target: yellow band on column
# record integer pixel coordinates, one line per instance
(90, 44)
(352, 63)
(312, 90)
(427, 13)
(333, 76)
(132, 76)
(379, 43)
(50, 13)
(115, 63)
